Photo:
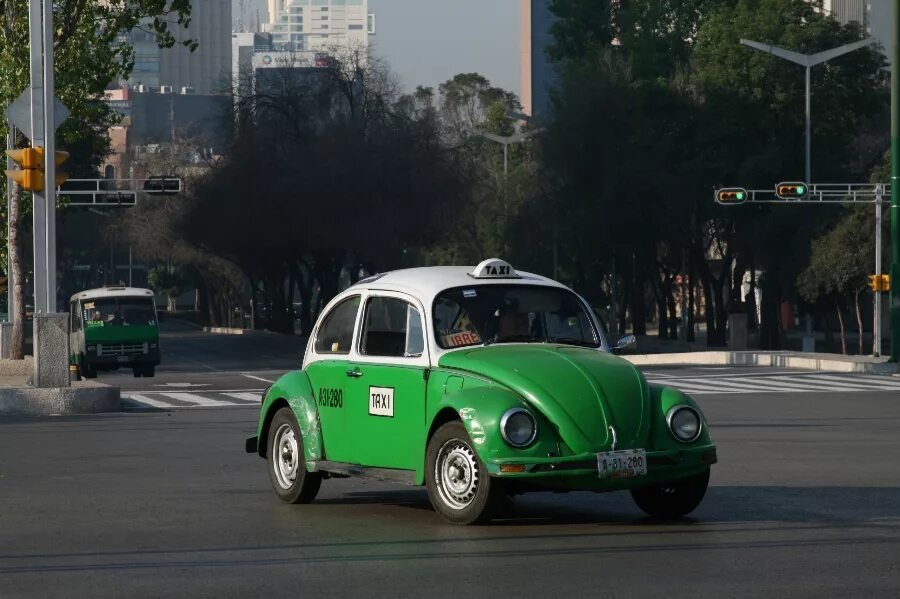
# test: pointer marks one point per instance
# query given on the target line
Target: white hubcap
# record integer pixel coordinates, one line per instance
(286, 458)
(456, 473)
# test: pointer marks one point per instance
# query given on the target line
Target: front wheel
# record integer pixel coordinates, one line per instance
(459, 487)
(672, 500)
(287, 465)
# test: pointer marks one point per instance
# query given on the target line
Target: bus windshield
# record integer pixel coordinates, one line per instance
(118, 311)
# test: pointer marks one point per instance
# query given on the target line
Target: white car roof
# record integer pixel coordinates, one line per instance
(426, 282)
(111, 292)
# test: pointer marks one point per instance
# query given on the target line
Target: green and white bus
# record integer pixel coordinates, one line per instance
(112, 328)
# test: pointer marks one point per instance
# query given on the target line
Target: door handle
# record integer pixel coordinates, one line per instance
(354, 374)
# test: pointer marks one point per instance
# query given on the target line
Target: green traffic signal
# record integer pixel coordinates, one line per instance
(792, 191)
(731, 195)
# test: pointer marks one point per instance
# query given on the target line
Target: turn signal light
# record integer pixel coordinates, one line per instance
(512, 467)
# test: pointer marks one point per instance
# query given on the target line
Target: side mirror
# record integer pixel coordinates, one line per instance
(626, 343)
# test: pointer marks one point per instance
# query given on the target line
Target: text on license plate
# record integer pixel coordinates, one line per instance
(626, 463)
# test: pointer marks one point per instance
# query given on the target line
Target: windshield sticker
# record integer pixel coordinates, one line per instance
(461, 338)
(470, 293)
(88, 305)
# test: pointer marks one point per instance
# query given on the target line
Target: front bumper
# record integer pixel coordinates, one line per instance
(152, 358)
(580, 472)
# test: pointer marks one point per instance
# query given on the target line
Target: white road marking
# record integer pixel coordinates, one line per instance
(146, 400)
(254, 397)
(257, 378)
(199, 400)
(864, 381)
(182, 385)
(777, 383)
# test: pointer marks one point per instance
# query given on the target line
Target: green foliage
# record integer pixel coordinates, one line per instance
(841, 259)
(167, 280)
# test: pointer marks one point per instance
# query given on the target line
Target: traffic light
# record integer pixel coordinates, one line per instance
(792, 191)
(31, 175)
(731, 195)
(880, 282)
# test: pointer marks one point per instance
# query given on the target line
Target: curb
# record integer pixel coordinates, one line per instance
(80, 398)
(829, 362)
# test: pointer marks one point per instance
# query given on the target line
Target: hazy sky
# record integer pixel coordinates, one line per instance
(428, 41)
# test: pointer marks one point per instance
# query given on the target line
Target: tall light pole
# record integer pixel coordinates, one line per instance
(895, 185)
(506, 141)
(808, 61)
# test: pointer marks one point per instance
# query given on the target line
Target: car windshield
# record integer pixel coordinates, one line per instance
(118, 311)
(485, 314)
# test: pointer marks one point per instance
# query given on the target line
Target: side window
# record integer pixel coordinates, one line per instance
(392, 328)
(336, 332)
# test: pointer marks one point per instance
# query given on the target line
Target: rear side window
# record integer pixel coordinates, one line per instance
(336, 331)
(393, 328)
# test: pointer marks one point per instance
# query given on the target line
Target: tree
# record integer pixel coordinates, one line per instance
(88, 54)
(839, 264)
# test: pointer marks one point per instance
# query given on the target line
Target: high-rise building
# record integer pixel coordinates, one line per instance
(206, 70)
(317, 25)
(538, 73)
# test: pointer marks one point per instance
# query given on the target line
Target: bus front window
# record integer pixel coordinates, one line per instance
(119, 311)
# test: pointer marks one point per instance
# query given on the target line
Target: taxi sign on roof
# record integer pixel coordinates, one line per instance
(494, 268)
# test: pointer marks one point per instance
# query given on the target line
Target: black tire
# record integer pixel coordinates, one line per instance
(138, 371)
(669, 501)
(477, 497)
(149, 371)
(286, 464)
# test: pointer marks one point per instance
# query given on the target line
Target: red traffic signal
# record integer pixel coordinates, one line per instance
(731, 195)
(792, 191)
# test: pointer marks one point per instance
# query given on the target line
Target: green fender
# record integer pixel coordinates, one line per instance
(663, 399)
(295, 389)
(481, 407)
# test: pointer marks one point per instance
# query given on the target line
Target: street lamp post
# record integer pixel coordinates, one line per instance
(808, 61)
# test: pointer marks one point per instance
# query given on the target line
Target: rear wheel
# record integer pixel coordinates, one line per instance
(138, 371)
(672, 500)
(149, 370)
(287, 465)
(85, 370)
(459, 487)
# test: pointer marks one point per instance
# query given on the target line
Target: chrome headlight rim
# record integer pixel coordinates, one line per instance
(505, 419)
(671, 414)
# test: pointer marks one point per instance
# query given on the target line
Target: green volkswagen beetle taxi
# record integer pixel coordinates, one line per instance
(478, 383)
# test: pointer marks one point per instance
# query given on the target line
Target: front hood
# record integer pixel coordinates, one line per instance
(582, 391)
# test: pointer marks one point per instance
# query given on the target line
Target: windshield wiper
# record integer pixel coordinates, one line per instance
(571, 341)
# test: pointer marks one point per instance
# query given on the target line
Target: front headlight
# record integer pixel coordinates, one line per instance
(684, 423)
(518, 427)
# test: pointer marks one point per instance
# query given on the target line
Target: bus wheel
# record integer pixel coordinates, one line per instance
(138, 371)
(86, 371)
(149, 371)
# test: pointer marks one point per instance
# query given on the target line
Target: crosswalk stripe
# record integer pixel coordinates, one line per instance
(198, 400)
(254, 397)
(822, 385)
(692, 387)
(146, 400)
(779, 385)
(868, 381)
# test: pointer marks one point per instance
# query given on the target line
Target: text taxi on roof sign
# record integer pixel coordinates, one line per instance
(478, 383)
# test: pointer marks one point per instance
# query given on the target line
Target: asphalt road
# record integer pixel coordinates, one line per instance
(805, 502)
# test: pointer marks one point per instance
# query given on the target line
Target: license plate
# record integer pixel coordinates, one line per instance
(627, 463)
(122, 358)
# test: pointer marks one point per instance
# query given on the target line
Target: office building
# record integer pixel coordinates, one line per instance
(317, 25)
(206, 70)
(538, 73)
